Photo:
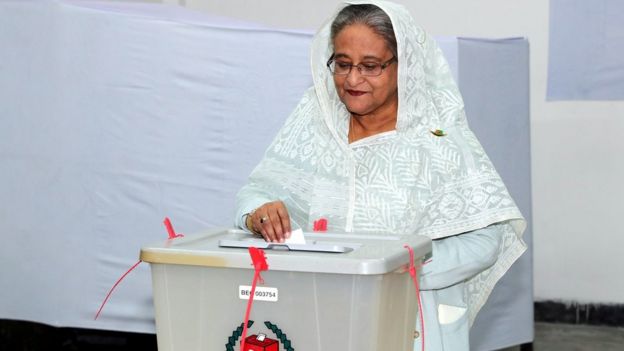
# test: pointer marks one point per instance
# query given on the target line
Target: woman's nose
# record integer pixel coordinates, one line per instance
(354, 77)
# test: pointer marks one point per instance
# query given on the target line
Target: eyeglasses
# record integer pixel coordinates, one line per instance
(368, 69)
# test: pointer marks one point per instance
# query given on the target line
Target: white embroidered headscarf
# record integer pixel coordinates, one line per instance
(408, 182)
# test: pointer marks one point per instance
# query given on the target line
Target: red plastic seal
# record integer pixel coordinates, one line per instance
(260, 264)
(320, 225)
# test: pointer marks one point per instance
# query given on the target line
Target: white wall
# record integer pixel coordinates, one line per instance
(577, 165)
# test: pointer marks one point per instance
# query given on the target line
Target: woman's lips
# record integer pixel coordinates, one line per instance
(355, 92)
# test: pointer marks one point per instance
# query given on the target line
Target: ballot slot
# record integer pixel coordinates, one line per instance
(313, 246)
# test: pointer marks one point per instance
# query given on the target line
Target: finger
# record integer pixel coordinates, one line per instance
(267, 227)
(259, 225)
(276, 223)
(285, 219)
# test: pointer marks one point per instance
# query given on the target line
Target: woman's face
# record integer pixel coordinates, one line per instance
(358, 44)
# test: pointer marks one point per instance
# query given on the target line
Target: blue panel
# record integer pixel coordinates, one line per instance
(494, 81)
(586, 50)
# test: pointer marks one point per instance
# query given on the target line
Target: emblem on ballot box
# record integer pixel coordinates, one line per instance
(260, 341)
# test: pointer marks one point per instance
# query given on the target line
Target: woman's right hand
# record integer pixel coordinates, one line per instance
(272, 221)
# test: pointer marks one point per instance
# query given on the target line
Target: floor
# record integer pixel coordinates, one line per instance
(579, 337)
(27, 336)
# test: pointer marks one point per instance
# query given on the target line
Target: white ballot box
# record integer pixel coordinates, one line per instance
(336, 292)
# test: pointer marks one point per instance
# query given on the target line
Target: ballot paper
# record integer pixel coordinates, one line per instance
(296, 237)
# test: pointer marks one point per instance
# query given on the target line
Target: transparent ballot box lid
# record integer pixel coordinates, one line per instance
(322, 253)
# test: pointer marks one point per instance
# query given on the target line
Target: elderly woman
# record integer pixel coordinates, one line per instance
(380, 144)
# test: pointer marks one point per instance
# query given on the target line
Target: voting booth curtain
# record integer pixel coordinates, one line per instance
(114, 116)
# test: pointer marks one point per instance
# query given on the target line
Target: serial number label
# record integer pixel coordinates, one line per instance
(261, 293)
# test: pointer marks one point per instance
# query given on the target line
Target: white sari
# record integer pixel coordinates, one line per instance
(405, 181)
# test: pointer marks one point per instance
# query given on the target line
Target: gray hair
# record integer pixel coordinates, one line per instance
(370, 15)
